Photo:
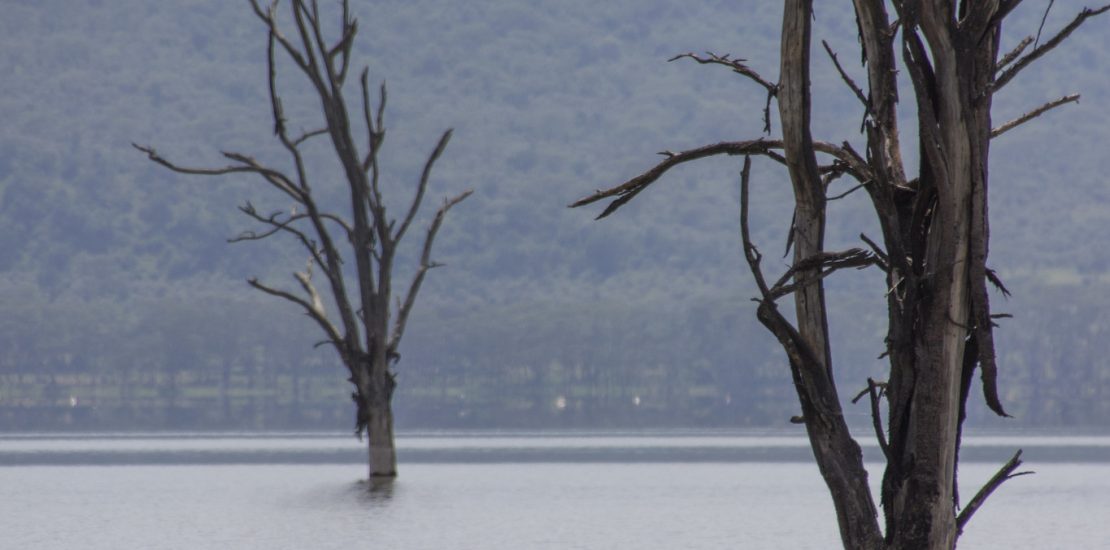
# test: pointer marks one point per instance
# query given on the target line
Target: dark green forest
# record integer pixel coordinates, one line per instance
(124, 307)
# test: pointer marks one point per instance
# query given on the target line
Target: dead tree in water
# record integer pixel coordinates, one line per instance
(933, 248)
(365, 330)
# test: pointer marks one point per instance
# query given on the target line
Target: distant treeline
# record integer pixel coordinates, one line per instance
(249, 364)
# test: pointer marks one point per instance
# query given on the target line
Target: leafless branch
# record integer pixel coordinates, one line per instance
(1004, 474)
(278, 225)
(737, 65)
(992, 276)
(308, 135)
(1073, 98)
(317, 314)
(269, 17)
(1014, 53)
(629, 189)
(335, 82)
(1044, 18)
(847, 79)
(277, 179)
(375, 131)
(426, 263)
(343, 46)
(853, 189)
(751, 253)
(275, 102)
(422, 185)
(875, 391)
(1039, 51)
(304, 31)
(803, 362)
(247, 165)
(826, 263)
(881, 258)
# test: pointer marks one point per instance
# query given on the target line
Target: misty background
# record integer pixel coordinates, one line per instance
(123, 306)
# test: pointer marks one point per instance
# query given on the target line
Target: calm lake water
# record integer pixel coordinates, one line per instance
(482, 491)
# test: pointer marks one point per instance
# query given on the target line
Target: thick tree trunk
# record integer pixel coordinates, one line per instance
(935, 231)
(927, 391)
(373, 398)
(383, 455)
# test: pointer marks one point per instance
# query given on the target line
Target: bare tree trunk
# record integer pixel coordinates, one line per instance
(934, 250)
(383, 455)
(838, 455)
(368, 331)
(953, 96)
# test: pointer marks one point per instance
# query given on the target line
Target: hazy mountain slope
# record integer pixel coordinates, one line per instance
(548, 101)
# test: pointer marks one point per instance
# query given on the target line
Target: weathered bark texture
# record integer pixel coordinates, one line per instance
(935, 236)
(838, 455)
(366, 342)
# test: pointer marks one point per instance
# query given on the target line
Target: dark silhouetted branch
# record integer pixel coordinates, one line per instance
(313, 309)
(423, 185)
(737, 65)
(1073, 98)
(426, 263)
(819, 267)
(751, 253)
(1009, 74)
(629, 189)
(875, 391)
(847, 79)
(1004, 474)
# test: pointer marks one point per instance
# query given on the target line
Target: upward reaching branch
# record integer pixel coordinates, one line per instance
(426, 263)
(423, 185)
(361, 332)
(1039, 51)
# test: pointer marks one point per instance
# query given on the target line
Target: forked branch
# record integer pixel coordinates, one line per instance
(818, 266)
(1003, 475)
(629, 189)
(423, 185)
(247, 165)
(426, 263)
(737, 65)
(1039, 51)
(310, 307)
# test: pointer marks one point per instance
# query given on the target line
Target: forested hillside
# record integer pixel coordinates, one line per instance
(124, 306)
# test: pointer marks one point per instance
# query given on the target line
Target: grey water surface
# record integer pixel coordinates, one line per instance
(498, 491)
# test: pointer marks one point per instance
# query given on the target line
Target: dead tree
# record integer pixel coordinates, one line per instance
(933, 248)
(354, 254)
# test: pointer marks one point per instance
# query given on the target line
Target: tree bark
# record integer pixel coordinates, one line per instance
(383, 455)
(362, 337)
(838, 456)
(935, 244)
(951, 83)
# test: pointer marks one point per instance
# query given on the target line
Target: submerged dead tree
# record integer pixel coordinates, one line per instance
(933, 248)
(353, 253)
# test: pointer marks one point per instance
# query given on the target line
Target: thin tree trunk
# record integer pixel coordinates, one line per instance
(838, 455)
